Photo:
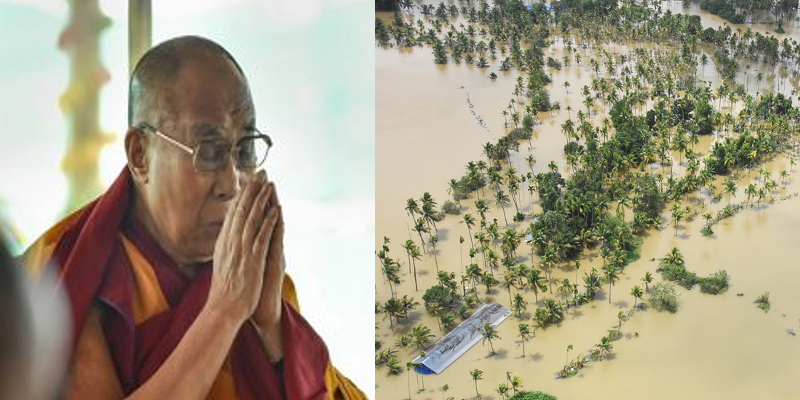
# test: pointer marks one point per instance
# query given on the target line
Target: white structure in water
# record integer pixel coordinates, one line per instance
(453, 345)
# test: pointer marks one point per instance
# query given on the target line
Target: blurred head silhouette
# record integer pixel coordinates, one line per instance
(32, 342)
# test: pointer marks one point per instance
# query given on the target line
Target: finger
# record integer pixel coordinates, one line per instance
(275, 264)
(246, 203)
(276, 242)
(273, 198)
(265, 235)
(256, 216)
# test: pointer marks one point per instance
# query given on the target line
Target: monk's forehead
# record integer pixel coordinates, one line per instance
(208, 92)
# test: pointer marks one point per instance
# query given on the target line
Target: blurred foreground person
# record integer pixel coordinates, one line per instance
(34, 334)
(175, 275)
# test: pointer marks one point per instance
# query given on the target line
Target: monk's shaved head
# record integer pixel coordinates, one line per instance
(149, 90)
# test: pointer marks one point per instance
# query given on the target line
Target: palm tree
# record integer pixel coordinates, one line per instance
(516, 384)
(604, 347)
(566, 86)
(525, 333)
(420, 228)
(591, 282)
(414, 257)
(509, 280)
(554, 310)
(784, 176)
(610, 276)
(647, 279)
(637, 293)
(453, 189)
(392, 309)
(412, 208)
(519, 305)
(476, 375)
(461, 251)
(470, 222)
(502, 390)
(409, 367)
(751, 191)
(489, 333)
(422, 336)
(482, 208)
(502, 200)
(622, 317)
(730, 189)
(435, 239)
(568, 349)
(759, 78)
(536, 282)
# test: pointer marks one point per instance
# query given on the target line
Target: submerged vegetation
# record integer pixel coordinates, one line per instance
(672, 268)
(630, 157)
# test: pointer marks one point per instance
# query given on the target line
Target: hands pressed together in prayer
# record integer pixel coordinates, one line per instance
(248, 262)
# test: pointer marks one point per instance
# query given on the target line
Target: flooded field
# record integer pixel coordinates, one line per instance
(714, 347)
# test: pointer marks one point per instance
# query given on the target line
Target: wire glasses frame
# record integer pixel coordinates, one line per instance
(249, 151)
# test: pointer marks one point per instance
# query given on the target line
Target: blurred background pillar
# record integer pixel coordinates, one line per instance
(80, 103)
(140, 15)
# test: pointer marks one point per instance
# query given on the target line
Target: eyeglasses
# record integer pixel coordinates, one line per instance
(249, 151)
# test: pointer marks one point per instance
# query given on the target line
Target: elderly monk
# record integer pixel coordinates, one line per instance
(175, 275)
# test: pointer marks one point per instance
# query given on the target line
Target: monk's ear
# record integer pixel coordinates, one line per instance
(136, 151)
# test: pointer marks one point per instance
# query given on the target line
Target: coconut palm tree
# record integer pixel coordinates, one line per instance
(509, 280)
(502, 390)
(454, 188)
(392, 308)
(637, 293)
(414, 257)
(519, 305)
(568, 349)
(476, 375)
(536, 282)
(482, 208)
(412, 208)
(621, 316)
(647, 279)
(554, 310)
(420, 228)
(435, 239)
(610, 276)
(784, 176)
(422, 336)
(604, 347)
(730, 189)
(516, 384)
(502, 200)
(470, 222)
(489, 333)
(525, 333)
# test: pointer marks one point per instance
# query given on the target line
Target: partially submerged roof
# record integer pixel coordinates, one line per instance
(453, 345)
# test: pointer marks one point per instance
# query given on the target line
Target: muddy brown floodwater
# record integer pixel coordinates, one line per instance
(714, 347)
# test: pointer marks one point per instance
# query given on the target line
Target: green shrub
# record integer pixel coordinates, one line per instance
(664, 297)
(449, 207)
(715, 284)
(537, 395)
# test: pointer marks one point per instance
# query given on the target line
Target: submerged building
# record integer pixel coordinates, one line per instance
(453, 345)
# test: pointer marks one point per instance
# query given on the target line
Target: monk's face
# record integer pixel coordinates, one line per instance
(208, 100)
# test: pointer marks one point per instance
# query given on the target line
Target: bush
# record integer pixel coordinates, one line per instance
(763, 301)
(677, 273)
(715, 284)
(537, 395)
(664, 297)
(449, 207)
(438, 294)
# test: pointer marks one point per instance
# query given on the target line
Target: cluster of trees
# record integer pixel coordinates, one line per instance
(673, 269)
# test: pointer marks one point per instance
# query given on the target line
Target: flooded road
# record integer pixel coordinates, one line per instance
(714, 347)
